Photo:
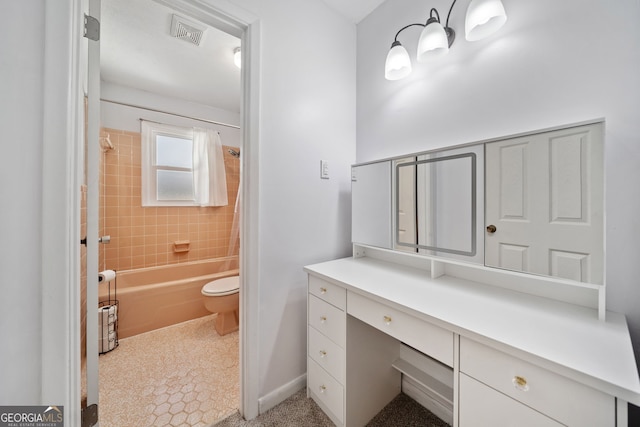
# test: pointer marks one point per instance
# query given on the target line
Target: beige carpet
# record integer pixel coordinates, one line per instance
(298, 411)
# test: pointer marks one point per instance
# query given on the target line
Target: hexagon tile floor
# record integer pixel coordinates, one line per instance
(182, 375)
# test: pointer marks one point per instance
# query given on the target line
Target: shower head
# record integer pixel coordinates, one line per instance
(105, 143)
(234, 153)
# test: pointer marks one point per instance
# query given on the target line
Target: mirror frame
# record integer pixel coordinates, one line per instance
(416, 163)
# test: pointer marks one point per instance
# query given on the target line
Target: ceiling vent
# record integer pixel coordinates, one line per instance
(184, 29)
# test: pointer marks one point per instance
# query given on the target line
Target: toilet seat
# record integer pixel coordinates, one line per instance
(222, 287)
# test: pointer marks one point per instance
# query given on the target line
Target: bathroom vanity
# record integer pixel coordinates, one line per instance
(414, 310)
(509, 355)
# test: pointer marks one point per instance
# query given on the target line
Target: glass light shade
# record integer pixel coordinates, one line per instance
(484, 17)
(398, 64)
(433, 42)
(237, 57)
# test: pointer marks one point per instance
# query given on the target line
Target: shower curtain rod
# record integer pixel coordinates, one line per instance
(213, 122)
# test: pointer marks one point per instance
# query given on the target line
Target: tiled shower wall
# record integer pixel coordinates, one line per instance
(144, 237)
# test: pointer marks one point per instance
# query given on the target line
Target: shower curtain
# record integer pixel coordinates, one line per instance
(209, 177)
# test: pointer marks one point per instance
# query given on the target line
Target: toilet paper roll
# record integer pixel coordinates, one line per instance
(111, 336)
(106, 276)
(107, 343)
(107, 316)
(106, 330)
(109, 311)
(104, 334)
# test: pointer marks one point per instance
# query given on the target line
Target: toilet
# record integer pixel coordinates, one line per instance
(221, 296)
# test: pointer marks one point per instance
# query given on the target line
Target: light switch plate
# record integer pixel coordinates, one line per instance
(324, 169)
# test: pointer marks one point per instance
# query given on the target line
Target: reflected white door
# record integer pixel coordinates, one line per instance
(544, 196)
(407, 199)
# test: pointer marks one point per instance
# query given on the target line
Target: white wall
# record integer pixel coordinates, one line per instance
(307, 113)
(553, 63)
(21, 121)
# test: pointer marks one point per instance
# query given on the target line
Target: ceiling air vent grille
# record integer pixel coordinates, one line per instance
(187, 30)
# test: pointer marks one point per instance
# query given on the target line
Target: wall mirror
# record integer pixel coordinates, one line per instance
(532, 203)
(438, 203)
(371, 210)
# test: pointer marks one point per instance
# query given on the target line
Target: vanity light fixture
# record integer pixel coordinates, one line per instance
(237, 57)
(484, 17)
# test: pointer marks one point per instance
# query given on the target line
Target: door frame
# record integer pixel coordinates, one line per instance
(63, 138)
(62, 159)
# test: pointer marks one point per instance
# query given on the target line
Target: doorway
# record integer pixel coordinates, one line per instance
(171, 73)
(248, 362)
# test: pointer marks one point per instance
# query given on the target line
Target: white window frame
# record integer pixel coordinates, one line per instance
(149, 132)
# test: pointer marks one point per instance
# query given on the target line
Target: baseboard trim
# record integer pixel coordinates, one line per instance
(281, 394)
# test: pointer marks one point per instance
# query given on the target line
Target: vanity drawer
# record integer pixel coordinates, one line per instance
(325, 389)
(327, 354)
(419, 334)
(329, 292)
(483, 406)
(560, 398)
(328, 320)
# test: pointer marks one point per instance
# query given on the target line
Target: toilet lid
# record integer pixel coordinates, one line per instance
(221, 287)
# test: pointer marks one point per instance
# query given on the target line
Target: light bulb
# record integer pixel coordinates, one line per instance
(484, 17)
(398, 64)
(433, 42)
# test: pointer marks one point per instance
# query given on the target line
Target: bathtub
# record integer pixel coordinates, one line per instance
(155, 297)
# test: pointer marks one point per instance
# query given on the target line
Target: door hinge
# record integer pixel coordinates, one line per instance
(90, 415)
(91, 28)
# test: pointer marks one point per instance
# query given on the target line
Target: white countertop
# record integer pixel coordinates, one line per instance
(564, 338)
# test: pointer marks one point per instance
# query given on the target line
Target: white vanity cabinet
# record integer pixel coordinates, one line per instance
(510, 359)
(326, 362)
(423, 336)
(491, 379)
(483, 406)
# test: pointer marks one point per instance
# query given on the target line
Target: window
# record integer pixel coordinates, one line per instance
(167, 165)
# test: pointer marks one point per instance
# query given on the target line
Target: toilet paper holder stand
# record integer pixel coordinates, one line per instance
(110, 320)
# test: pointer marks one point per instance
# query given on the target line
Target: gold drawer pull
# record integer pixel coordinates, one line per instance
(323, 290)
(323, 353)
(387, 320)
(520, 383)
(323, 319)
(322, 388)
